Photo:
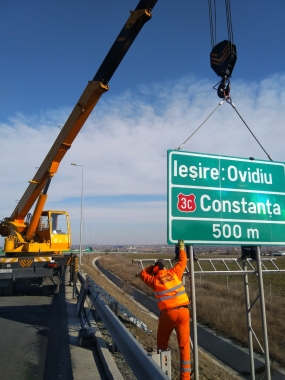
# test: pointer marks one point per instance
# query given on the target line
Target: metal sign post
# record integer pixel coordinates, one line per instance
(193, 314)
(264, 349)
(248, 319)
(231, 267)
(263, 316)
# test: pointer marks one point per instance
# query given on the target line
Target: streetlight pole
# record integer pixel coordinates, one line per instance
(89, 235)
(81, 213)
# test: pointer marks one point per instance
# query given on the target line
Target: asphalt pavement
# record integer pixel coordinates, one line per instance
(34, 336)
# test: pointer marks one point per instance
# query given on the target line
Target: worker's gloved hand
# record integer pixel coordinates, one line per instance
(181, 245)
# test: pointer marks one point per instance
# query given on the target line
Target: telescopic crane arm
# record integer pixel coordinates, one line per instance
(81, 111)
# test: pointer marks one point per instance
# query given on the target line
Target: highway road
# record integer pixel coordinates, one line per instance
(34, 340)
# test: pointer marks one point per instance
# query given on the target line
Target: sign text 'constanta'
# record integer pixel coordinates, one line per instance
(225, 200)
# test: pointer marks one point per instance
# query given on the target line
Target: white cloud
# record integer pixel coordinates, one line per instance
(124, 142)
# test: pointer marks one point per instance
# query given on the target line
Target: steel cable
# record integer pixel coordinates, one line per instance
(229, 101)
(211, 23)
(180, 146)
(229, 21)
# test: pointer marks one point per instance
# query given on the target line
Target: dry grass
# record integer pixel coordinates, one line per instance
(208, 369)
(224, 310)
(220, 305)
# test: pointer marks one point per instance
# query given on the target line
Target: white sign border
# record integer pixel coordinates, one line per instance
(214, 242)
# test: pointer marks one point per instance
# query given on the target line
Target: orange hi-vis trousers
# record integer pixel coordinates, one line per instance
(178, 319)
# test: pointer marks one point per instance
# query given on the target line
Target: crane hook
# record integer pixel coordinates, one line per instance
(224, 88)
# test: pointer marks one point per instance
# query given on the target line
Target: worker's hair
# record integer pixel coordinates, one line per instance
(157, 266)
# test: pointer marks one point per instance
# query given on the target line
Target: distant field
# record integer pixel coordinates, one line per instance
(220, 300)
(274, 283)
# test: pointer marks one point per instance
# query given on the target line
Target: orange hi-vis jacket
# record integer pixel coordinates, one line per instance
(167, 284)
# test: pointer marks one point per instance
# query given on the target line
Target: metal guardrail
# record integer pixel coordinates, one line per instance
(231, 266)
(121, 308)
(142, 364)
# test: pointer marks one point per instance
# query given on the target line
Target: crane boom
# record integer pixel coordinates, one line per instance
(84, 107)
(37, 248)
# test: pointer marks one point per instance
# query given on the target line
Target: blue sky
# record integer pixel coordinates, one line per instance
(158, 96)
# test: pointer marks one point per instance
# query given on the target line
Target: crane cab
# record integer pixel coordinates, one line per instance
(52, 235)
(54, 228)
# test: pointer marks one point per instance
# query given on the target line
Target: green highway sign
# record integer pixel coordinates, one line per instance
(225, 200)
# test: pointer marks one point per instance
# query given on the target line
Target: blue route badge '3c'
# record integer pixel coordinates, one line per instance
(186, 203)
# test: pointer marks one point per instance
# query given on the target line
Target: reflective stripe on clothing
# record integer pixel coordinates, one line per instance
(185, 369)
(169, 297)
(172, 302)
(178, 319)
(168, 290)
(185, 366)
(167, 284)
(182, 369)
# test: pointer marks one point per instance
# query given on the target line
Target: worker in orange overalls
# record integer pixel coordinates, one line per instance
(173, 304)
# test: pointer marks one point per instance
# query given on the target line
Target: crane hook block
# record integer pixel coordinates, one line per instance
(223, 58)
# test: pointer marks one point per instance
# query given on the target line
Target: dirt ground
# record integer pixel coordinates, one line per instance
(209, 369)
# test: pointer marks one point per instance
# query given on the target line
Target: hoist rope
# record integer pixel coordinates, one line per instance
(229, 101)
(180, 146)
(229, 21)
(213, 21)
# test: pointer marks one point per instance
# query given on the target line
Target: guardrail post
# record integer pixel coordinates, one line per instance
(163, 359)
(82, 297)
(142, 365)
(71, 270)
(74, 289)
(74, 267)
(114, 308)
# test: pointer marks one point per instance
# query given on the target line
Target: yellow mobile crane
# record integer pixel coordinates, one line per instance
(34, 244)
